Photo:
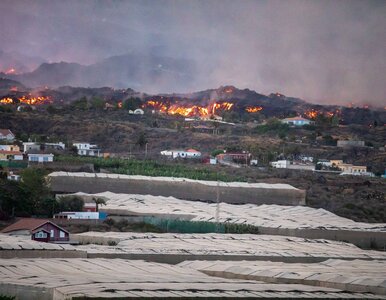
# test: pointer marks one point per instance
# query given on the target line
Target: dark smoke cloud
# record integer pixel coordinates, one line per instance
(327, 51)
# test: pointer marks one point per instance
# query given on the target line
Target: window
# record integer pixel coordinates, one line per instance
(45, 158)
(62, 234)
(40, 235)
(52, 233)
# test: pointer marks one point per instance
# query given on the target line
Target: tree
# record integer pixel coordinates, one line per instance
(70, 203)
(141, 139)
(99, 201)
(34, 183)
(132, 103)
(97, 103)
(80, 104)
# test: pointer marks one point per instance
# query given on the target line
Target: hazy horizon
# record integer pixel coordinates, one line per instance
(320, 51)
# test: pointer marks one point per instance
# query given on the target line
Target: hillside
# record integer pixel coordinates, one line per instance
(117, 71)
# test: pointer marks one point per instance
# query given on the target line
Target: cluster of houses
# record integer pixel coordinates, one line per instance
(39, 152)
(322, 165)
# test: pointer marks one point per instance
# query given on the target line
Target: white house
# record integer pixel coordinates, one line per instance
(40, 157)
(280, 164)
(6, 135)
(190, 153)
(297, 121)
(87, 149)
(33, 146)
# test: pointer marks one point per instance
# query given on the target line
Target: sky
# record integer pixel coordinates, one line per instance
(325, 51)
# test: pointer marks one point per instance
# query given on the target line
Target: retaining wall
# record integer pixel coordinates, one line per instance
(188, 190)
(42, 254)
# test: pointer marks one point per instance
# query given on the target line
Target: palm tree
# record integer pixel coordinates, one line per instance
(99, 201)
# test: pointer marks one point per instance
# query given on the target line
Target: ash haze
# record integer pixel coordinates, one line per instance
(321, 51)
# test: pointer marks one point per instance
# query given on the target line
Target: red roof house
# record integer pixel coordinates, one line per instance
(40, 230)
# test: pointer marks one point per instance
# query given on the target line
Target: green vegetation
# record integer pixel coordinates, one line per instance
(150, 168)
(132, 103)
(28, 197)
(273, 126)
(70, 203)
(4, 297)
(182, 226)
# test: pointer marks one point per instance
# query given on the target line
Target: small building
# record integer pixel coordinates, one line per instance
(41, 157)
(280, 164)
(11, 155)
(81, 215)
(6, 135)
(236, 157)
(10, 148)
(12, 176)
(89, 207)
(350, 143)
(32, 146)
(87, 149)
(39, 229)
(189, 153)
(296, 121)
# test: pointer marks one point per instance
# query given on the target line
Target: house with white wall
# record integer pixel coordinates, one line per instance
(41, 157)
(296, 121)
(87, 149)
(6, 135)
(189, 153)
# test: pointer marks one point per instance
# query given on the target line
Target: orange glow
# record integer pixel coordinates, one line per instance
(28, 100)
(253, 109)
(228, 90)
(6, 101)
(13, 89)
(189, 111)
(311, 114)
(120, 104)
(35, 100)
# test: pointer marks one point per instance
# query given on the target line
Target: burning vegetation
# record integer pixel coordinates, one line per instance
(29, 99)
(313, 113)
(189, 110)
(253, 109)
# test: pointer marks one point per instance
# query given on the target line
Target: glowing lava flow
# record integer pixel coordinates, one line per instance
(189, 111)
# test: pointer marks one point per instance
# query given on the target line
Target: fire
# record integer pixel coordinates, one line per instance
(6, 101)
(312, 114)
(253, 109)
(120, 104)
(13, 89)
(189, 111)
(28, 100)
(35, 100)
